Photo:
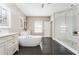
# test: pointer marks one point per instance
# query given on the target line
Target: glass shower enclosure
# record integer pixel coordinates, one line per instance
(65, 26)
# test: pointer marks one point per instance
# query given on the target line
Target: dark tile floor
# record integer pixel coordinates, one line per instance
(37, 50)
(29, 51)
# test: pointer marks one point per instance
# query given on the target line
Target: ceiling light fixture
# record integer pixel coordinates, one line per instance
(43, 5)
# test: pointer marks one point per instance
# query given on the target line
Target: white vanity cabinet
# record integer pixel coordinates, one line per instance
(8, 44)
(3, 50)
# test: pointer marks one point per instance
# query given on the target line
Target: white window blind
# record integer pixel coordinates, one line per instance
(38, 25)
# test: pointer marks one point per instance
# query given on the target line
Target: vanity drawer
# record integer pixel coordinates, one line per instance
(7, 38)
(12, 49)
(3, 49)
(3, 39)
(11, 37)
(11, 42)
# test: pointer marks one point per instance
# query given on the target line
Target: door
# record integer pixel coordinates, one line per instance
(60, 25)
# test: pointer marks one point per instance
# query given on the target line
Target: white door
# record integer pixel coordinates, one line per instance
(47, 29)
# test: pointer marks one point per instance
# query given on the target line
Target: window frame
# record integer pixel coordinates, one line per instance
(6, 24)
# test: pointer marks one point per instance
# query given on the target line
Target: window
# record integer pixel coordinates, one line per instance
(4, 16)
(38, 25)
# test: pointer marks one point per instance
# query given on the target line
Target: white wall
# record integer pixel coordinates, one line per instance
(16, 14)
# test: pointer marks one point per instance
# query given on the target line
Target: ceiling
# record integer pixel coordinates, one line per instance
(35, 9)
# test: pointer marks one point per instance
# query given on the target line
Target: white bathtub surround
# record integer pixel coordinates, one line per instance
(30, 40)
(8, 43)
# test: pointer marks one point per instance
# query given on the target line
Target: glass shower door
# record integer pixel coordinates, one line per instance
(72, 31)
(60, 26)
(71, 18)
(66, 27)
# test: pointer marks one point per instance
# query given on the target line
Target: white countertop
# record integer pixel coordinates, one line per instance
(68, 44)
(6, 34)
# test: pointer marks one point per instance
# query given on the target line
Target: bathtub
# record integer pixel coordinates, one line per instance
(30, 40)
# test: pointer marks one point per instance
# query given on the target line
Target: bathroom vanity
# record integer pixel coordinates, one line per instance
(8, 43)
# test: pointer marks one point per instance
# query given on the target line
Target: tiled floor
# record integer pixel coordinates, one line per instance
(29, 51)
